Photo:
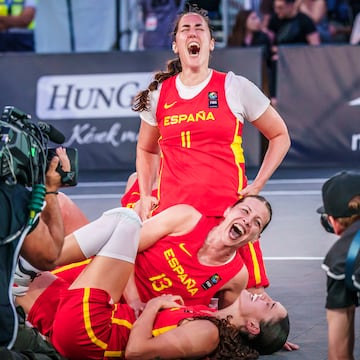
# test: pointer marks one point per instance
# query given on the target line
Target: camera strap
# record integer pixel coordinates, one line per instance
(67, 177)
(350, 261)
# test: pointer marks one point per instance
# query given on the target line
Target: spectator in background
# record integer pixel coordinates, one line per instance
(266, 11)
(355, 7)
(355, 33)
(158, 17)
(317, 11)
(247, 32)
(340, 17)
(212, 7)
(290, 26)
(17, 25)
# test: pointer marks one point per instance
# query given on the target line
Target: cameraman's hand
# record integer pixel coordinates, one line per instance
(64, 160)
(53, 178)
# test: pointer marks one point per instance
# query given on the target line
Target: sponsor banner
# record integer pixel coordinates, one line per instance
(319, 98)
(88, 98)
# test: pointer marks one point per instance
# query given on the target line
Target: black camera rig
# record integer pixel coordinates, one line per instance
(24, 152)
(22, 149)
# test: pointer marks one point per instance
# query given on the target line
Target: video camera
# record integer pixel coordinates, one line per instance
(24, 152)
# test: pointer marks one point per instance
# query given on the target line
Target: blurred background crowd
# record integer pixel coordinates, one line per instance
(129, 25)
(60, 26)
(309, 67)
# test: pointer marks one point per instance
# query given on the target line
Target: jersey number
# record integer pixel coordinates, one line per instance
(185, 139)
(160, 282)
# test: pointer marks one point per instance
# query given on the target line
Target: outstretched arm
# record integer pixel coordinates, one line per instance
(147, 166)
(176, 220)
(273, 127)
(132, 296)
(192, 339)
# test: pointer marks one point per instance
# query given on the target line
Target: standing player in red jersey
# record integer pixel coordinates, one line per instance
(192, 116)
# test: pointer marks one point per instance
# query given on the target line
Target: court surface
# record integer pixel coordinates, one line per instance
(293, 245)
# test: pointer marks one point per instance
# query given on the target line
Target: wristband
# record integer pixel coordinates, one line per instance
(52, 192)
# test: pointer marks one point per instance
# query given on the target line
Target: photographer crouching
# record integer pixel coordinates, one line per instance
(340, 214)
(31, 230)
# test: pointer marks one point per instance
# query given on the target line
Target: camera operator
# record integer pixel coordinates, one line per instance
(43, 244)
(31, 225)
(40, 247)
(340, 214)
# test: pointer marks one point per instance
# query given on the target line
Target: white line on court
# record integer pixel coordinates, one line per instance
(274, 182)
(265, 193)
(95, 196)
(293, 258)
(101, 184)
(291, 192)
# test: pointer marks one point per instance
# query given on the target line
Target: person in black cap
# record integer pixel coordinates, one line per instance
(340, 214)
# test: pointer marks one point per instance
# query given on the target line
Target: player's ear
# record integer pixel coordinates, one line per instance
(252, 326)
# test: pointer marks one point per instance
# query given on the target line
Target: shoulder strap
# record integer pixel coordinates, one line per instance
(350, 261)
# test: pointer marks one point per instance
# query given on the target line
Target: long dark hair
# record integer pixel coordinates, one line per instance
(232, 345)
(238, 32)
(236, 344)
(141, 100)
(272, 336)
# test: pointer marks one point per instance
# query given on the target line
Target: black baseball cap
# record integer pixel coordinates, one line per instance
(337, 193)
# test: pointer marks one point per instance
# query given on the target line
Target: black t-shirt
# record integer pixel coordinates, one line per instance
(292, 31)
(14, 202)
(261, 39)
(338, 295)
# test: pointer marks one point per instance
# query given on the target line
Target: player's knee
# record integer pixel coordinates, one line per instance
(125, 214)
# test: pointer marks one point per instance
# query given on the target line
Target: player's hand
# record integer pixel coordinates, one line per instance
(165, 302)
(251, 189)
(146, 205)
(138, 306)
(288, 346)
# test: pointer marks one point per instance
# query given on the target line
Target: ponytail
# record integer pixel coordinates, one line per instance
(142, 99)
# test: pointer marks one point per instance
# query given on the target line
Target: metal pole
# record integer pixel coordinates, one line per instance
(71, 25)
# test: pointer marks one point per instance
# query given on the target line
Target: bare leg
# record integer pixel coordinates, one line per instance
(73, 217)
(107, 274)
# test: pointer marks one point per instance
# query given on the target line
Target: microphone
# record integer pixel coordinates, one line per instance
(54, 135)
